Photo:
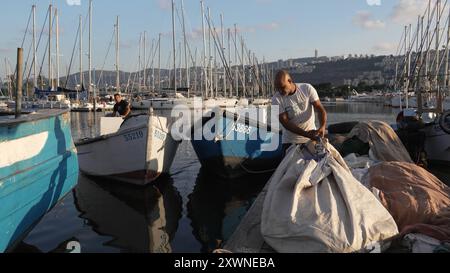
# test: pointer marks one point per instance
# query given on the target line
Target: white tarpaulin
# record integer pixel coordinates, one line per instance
(315, 205)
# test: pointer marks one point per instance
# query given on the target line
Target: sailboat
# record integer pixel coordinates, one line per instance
(427, 74)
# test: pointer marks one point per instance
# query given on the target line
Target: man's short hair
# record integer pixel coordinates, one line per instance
(117, 95)
(279, 77)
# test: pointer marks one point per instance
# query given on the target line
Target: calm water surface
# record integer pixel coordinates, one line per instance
(186, 211)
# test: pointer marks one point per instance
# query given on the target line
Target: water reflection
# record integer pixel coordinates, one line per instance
(85, 125)
(345, 112)
(140, 220)
(216, 207)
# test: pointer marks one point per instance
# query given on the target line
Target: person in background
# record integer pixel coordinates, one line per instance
(122, 107)
(298, 104)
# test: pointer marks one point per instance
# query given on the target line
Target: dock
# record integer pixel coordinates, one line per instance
(248, 238)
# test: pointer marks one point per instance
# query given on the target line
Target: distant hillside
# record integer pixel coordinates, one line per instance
(336, 72)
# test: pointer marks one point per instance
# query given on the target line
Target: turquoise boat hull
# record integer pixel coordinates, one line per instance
(31, 185)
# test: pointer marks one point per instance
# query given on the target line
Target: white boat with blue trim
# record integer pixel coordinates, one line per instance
(137, 150)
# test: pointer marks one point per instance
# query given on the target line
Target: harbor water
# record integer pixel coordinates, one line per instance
(188, 211)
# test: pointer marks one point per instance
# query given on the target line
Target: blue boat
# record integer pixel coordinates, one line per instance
(38, 167)
(239, 147)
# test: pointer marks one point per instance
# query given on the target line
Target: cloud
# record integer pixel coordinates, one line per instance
(5, 50)
(270, 27)
(373, 2)
(73, 2)
(384, 47)
(406, 11)
(364, 19)
(164, 4)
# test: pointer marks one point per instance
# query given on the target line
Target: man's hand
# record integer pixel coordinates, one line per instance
(321, 132)
(313, 134)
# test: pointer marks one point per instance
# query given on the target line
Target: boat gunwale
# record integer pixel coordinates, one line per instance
(246, 120)
(35, 116)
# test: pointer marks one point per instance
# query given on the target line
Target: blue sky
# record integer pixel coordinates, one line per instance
(274, 29)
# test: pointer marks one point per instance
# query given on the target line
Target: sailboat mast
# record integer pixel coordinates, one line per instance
(174, 48)
(427, 56)
(153, 64)
(159, 62)
(180, 63)
(446, 57)
(8, 76)
(90, 52)
(216, 80)
(145, 59)
(34, 48)
(236, 76)
(243, 67)
(229, 56)
(118, 54)
(438, 42)
(211, 81)
(57, 46)
(188, 80)
(205, 73)
(409, 52)
(140, 63)
(224, 75)
(81, 52)
(50, 19)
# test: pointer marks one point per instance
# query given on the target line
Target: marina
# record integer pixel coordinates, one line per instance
(199, 210)
(187, 134)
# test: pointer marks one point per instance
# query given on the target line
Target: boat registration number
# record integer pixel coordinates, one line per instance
(241, 128)
(133, 136)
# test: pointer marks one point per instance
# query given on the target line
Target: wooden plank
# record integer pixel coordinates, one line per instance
(248, 238)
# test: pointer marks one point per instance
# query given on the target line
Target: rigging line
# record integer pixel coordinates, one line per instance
(134, 78)
(43, 58)
(39, 43)
(26, 31)
(255, 67)
(421, 49)
(423, 38)
(72, 57)
(23, 42)
(430, 42)
(152, 55)
(106, 57)
(218, 47)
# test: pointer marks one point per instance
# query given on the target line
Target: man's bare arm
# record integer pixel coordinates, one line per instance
(292, 127)
(323, 117)
(127, 111)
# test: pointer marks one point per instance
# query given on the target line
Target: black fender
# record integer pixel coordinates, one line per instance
(444, 122)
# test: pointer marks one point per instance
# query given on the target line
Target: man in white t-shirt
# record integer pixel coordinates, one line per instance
(297, 104)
